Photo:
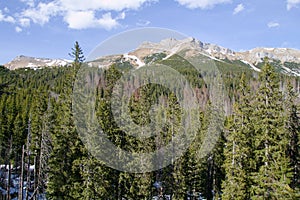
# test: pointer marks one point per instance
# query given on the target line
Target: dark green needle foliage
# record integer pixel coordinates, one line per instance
(254, 154)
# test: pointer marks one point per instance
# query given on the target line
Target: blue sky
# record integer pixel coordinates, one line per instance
(49, 28)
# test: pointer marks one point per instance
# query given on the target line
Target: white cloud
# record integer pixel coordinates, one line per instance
(203, 4)
(5, 18)
(107, 21)
(143, 23)
(80, 19)
(111, 5)
(28, 2)
(42, 13)
(6, 9)
(273, 24)
(122, 15)
(292, 4)
(87, 19)
(79, 14)
(239, 8)
(24, 22)
(18, 29)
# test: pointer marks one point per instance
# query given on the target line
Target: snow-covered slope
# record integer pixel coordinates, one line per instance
(252, 58)
(133, 60)
(287, 60)
(34, 63)
(258, 54)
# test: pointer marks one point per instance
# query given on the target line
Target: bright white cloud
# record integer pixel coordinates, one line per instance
(107, 21)
(203, 4)
(292, 4)
(111, 5)
(24, 22)
(18, 29)
(80, 19)
(79, 14)
(5, 18)
(273, 24)
(42, 13)
(82, 14)
(87, 19)
(239, 8)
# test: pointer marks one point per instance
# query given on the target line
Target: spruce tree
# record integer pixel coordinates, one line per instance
(77, 54)
(272, 176)
(292, 124)
(238, 147)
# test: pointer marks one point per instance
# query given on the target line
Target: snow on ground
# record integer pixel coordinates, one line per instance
(212, 57)
(56, 62)
(168, 56)
(290, 71)
(251, 65)
(31, 65)
(136, 59)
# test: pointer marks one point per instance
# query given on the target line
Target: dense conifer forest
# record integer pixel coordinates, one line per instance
(255, 157)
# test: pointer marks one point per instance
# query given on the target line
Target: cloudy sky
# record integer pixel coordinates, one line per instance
(49, 28)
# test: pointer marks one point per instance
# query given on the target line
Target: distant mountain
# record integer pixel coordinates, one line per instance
(285, 60)
(253, 56)
(34, 63)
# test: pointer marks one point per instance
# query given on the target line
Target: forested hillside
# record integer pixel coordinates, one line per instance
(255, 157)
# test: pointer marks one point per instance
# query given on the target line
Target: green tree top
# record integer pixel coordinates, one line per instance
(77, 54)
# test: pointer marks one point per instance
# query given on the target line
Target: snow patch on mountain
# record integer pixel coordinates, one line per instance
(170, 47)
(35, 63)
(251, 65)
(134, 60)
(290, 71)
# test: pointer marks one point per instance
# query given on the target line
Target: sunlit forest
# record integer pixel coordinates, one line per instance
(256, 155)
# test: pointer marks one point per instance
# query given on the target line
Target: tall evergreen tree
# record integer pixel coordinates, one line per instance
(238, 148)
(292, 124)
(77, 54)
(272, 176)
(67, 148)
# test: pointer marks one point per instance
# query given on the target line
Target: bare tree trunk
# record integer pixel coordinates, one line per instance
(28, 161)
(9, 180)
(21, 176)
(35, 178)
(9, 169)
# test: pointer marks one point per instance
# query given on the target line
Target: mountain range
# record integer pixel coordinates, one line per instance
(34, 63)
(286, 60)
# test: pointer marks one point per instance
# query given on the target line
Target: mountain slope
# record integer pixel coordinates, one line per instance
(31, 62)
(286, 60)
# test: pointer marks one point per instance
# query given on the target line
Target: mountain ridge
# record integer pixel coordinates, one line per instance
(253, 55)
(23, 61)
(171, 46)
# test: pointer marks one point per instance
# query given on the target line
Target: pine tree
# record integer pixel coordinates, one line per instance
(77, 54)
(64, 175)
(292, 124)
(67, 148)
(272, 176)
(238, 148)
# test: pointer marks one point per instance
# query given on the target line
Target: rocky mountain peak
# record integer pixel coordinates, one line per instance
(257, 55)
(22, 61)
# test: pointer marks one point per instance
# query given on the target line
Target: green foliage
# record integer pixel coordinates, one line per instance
(256, 155)
(238, 148)
(154, 57)
(77, 54)
(272, 176)
(292, 125)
